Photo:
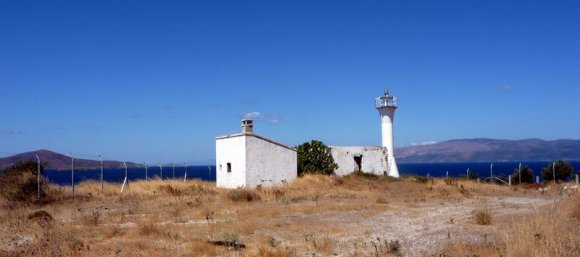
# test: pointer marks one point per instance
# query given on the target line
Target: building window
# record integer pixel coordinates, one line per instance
(229, 167)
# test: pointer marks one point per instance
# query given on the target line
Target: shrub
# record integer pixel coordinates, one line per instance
(482, 217)
(394, 246)
(19, 183)
(149, 229)
(563, 171)
(423, 180)
(315, 157)
(449, 181)
(172, 190)
(243, 195)
(382, 200)
(527, 175)
(42, 217)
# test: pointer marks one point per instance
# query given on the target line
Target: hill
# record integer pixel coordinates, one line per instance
(487, 150)
(59, 161)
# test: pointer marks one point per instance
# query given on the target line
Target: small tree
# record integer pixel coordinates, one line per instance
(563, 171)
(527, 175)
(315, 157)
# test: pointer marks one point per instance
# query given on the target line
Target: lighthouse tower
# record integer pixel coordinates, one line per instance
(386, 105)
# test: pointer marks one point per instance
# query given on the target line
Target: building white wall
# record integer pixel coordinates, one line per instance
(374, 159)
(255, 161)
(232, 150)
(269, 163)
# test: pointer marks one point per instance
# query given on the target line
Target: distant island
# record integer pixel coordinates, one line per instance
(490, 150)
(59, 161)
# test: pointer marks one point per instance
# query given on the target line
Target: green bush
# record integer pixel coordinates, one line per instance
(527, 175)
(315, 157)
(563, 171)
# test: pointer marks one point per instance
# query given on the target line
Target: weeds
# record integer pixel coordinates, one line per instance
(149, 229)
(381, 200)
(267, 221)
(482, 217)
(243, 195)
(575, 211)
(92, 219)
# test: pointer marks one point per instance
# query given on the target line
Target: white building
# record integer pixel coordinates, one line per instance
(370, 159)
(249, 160)
(378, 160)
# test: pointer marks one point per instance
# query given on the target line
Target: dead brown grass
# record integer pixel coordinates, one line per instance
(547, 232)
(314, 215)
(482, 216)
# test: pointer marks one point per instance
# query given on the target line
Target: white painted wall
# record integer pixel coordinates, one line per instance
(255, 161)
(374, 159)
(232, 150)
(269, 163)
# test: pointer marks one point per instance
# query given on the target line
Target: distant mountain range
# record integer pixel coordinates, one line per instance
(458, 150)
(488, 150)
(59, 161)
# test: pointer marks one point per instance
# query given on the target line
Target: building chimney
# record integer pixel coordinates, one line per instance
(247, 126)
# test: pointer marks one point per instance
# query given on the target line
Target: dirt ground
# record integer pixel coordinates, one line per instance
(314, 216)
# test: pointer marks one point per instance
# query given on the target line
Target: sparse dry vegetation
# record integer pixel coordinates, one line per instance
(482, 217)
(356, 215)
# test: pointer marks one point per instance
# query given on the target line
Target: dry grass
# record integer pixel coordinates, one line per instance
(357, 215)
(482, 217)
(548, 231)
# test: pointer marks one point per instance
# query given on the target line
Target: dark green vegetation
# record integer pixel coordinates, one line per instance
(562, 169)
(315, 157)
(527, 175)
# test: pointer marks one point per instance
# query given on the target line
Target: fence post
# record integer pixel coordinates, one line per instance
(38, 178)
(102, 177)
(537, 179)
(72, 172)
(123, 186)
(577, 179)
(510, 180)
(477, 180)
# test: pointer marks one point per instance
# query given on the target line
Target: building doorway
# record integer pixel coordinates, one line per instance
(357, 163)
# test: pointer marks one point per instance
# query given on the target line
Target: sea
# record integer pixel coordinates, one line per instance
(207, 173)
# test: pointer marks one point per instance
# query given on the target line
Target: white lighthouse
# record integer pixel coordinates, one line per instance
(386, 105)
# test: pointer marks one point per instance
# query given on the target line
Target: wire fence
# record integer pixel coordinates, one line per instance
(106, 170)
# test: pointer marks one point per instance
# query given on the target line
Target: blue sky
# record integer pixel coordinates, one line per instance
(157, 81)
